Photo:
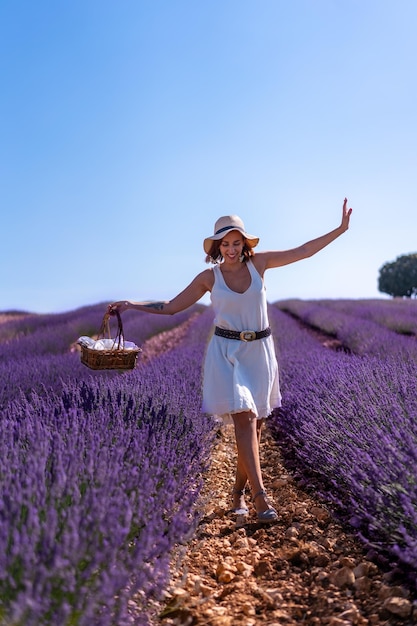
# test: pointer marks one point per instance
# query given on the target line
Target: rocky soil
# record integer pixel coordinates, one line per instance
(6, 317)
(304, 569)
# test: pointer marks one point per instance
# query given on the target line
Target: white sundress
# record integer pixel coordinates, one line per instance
(238, 375)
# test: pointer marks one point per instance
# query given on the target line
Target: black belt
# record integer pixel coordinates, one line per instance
(244, 335)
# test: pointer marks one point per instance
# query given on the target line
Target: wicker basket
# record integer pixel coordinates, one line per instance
(115, 359)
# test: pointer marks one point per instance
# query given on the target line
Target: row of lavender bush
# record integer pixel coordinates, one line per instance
(38, 349)
(398, 314)
(349, 424)
(100, 471)
(372, 331)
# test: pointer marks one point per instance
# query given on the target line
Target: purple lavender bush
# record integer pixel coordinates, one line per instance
(55, 333)
(100, 476)
(359, 334)
(39, 349)
(397, 314)
(350, 423)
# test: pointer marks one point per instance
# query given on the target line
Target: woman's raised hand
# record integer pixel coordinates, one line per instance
(346, 213)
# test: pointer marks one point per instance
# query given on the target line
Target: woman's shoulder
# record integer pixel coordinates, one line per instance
(206, 278)
(259, 262)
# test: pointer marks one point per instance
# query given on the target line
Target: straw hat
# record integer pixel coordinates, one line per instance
(221, 228)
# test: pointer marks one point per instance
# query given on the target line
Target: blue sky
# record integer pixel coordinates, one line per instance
(127, 128)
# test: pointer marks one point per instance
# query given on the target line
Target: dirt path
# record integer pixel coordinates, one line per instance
(8, 317)
(304, 569)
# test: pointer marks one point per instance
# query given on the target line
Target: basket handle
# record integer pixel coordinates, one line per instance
(105, 328)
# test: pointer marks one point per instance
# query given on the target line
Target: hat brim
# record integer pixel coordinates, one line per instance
(208, 242)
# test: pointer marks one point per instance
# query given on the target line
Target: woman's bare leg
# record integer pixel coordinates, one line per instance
(241, 477)
(248, 434)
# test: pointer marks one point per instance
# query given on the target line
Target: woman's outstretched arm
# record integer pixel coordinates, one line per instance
(190, 295)
(278, 258)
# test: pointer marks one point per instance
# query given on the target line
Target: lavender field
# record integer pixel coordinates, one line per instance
(349, 417)
(101, 471)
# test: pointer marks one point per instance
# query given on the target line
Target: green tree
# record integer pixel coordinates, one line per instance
(399, 277)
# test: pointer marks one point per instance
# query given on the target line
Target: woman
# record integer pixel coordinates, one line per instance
(240, 371)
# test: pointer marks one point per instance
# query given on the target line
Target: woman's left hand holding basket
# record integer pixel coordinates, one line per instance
(120, 306)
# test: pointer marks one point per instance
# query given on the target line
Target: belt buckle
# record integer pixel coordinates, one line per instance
(247, 335)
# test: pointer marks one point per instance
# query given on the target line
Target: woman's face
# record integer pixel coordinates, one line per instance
(231, 246)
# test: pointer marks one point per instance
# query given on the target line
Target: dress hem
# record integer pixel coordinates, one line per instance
(226, 418)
